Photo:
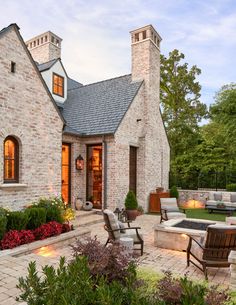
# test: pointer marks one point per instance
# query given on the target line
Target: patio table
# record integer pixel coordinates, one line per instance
(227, 210)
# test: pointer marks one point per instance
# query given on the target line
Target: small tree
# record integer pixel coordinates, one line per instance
(131, 202)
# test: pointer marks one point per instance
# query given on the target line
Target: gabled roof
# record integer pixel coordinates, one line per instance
(99, 108)
(46, 65)
(16, 29)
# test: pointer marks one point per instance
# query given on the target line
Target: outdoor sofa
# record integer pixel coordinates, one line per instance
(228, 198)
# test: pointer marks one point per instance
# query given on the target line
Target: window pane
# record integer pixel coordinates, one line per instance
(9, 149)
(9, 169)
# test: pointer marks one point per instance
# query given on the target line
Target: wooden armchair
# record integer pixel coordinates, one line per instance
(214, 249)
(170, 209)
(116, 230)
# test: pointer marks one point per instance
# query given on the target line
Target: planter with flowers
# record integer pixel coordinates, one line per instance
(46, 218)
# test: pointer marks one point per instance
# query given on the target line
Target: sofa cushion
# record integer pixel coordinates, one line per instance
(233, 197)
(226, 197)
(218, 196)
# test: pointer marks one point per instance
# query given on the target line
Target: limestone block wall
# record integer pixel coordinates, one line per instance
(131, 132)
(28, 114)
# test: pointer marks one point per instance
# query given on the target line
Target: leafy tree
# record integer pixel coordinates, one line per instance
(181, 106)
(223, 114)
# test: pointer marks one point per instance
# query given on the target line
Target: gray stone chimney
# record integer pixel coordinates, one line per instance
(45, 47)
(145, 47)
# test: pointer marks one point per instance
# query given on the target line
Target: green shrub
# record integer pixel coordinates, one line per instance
(54, 213)
(231, 187)
(174, 193)
(3, 225)
(131, 202)
(17, 220)
(36, 217)
(72, 284)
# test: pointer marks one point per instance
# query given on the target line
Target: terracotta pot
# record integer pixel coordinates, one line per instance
(159, 189)
(131, 214)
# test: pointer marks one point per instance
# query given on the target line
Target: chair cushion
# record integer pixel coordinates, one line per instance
(113, 222)
(122, 226)
(131, 234)
(173, 215)
(170, 208)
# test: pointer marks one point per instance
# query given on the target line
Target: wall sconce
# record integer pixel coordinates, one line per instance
(79, 163)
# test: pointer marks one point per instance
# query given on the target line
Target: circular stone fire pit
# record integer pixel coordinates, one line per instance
(172, 234)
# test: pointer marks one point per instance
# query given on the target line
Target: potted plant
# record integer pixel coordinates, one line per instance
(140, 210)
(131, 205)
(174, 193)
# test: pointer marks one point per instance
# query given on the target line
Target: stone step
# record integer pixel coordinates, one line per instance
(84, 218)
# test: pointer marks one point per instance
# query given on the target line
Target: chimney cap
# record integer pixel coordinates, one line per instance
(146, 27)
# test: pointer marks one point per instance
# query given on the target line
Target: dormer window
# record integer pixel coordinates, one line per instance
(58, 85)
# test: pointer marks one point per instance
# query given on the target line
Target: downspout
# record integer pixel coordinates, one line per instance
(105, 171)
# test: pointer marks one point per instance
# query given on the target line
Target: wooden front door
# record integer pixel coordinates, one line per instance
(133, 169)
(65, 173)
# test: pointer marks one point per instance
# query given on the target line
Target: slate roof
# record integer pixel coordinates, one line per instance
(46, 65)
(100, 107)
(72, 84)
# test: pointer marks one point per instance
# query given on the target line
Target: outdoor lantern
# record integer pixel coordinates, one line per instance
(79, 163)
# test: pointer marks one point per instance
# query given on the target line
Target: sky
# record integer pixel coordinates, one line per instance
(96, 39)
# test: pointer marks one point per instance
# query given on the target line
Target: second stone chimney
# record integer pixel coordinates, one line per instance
(145, 44)
(45, 47)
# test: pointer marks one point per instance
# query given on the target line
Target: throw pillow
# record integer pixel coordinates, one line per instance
(226, 197)
(217, 196)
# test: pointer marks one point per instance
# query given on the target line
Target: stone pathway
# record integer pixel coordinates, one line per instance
(11, 268)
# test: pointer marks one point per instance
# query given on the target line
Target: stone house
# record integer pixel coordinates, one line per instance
(99, 140)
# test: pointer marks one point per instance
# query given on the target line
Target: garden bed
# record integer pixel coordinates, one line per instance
(54, 242)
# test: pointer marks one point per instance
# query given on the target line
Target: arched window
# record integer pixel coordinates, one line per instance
(11, 160)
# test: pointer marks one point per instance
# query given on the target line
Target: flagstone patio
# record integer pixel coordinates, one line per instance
(154, 258)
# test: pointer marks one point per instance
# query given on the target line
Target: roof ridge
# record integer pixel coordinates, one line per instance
(102, 81)
(46, 62)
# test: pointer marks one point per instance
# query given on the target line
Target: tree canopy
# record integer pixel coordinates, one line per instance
(181, 106)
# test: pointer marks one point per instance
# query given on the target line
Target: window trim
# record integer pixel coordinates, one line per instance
(63, 84)
(16, 159)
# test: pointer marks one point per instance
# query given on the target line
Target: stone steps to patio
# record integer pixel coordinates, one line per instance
(86, 218)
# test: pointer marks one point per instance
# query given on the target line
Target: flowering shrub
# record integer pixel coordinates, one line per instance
(26, 237)
(11, 240)
(65, 228)
(48, 229)
(68, 214)
(56, 228)
(16, 238)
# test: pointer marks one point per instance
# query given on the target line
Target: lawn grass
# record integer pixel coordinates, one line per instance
(204, 214)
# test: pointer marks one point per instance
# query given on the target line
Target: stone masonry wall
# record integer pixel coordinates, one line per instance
(28, 114)
(131, 132)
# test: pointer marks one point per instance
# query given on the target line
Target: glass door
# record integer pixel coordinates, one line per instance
(94, 175)
(65, 172)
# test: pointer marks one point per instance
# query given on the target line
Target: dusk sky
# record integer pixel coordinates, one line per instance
(96, 39)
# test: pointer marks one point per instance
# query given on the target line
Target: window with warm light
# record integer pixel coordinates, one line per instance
(58, 85)
(11, 160)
